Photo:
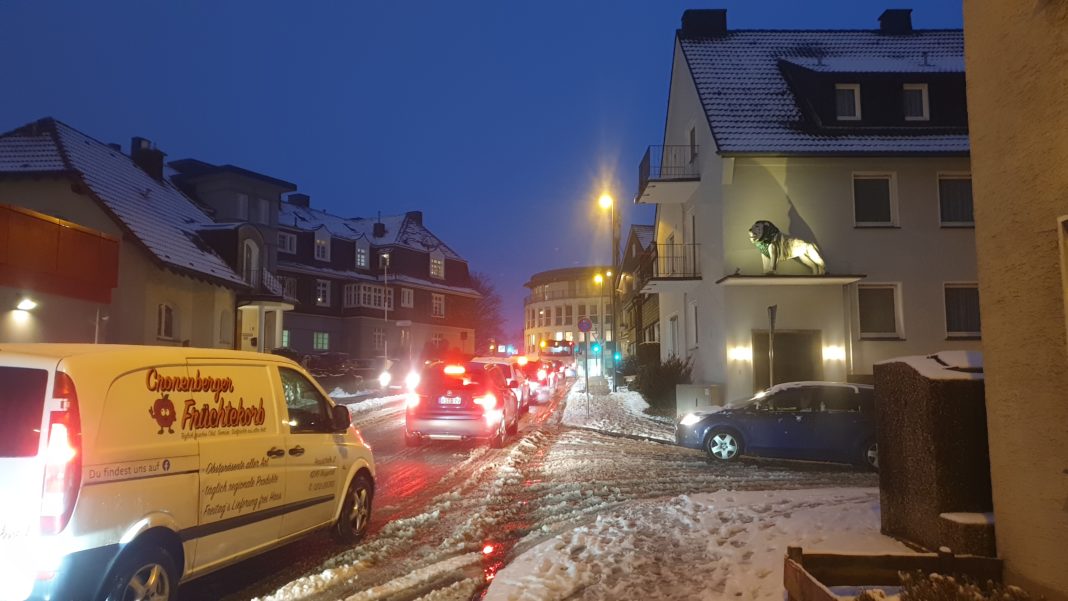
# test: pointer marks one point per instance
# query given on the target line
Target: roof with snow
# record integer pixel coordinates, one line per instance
(644, 233)
(401, 230)
(153, 212)
(751, 107)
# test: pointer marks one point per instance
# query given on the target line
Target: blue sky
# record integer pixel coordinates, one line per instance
(500, 120)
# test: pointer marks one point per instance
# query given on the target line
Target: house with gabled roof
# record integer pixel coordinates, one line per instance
(853, 144)
(639, 322)
(137, 271)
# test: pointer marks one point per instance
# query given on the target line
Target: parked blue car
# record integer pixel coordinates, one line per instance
(818, 421)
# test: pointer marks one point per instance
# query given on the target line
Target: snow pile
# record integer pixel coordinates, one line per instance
(721, 545)
(616, 413)
(362, 406)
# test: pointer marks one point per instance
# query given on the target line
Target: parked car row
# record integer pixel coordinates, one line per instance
(819, 421)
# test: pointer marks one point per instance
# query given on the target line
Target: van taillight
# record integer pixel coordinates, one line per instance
(63, 460)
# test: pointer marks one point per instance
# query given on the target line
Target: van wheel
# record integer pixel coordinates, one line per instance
(355, 515)
(144, 573)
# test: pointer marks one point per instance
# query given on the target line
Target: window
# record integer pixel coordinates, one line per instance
(165, 321)
(437, 266)
(377, 294)
(351, 295)
(673, 335)
(695, 331)
(877, 307)
(366, 295)
(693, 144)
(915, 102)
(593, 314)
(308, 410)
(287, 243)
(405, 337)
(321, 341)
(322, 293)
(873, 200)
(378, 337)
(322, 244)
(285, 338)
(438, 340)
(582, 311)
(955, 200)
(569, 336)
(847, 101)
(363, 253)
(569, 317)
(407, 298)
(250, 264)
(437, 305)
(242, 206)
(289, 286)
(263, 211)
(962, 311)
(389, 298)
(559, 312)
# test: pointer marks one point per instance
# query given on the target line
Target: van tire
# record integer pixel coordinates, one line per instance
(355, 517)
(148, 566)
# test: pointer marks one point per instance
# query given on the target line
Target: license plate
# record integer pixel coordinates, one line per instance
(449, 400)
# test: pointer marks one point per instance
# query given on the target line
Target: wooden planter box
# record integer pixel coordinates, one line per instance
(809, 576)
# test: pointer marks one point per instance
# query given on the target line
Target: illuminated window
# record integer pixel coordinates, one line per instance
(877, 306)
(873, 200)
(321, 341)
(322, 293)
(363, 253)
(165, 321)
(437, 308)
(322, 244)
(962, 311)
(847, 101)
(955, 200)
(407, 298)
(916, 107)
(285, 338)
(287, 243)
(437, 266)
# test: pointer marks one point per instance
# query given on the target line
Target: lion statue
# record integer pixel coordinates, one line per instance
(774, 246)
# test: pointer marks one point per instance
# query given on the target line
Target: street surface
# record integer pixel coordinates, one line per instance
(448, 515)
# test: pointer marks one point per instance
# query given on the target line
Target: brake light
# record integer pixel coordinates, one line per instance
(454, 370)
(542, 374)
(63, 462)
(412, 401)
(488, 401)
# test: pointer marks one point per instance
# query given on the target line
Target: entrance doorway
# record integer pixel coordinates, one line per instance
(798, 357)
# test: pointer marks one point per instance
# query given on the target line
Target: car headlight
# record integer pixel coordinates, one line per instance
(690, 419)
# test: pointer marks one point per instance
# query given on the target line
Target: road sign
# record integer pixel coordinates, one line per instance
(584, 324)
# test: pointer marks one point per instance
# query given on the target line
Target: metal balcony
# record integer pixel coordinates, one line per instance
(672, 265)
(668, 175)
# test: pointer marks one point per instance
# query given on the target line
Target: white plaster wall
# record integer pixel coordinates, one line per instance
(1018, 114)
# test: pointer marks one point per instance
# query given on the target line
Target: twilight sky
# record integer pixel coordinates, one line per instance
(501, 120)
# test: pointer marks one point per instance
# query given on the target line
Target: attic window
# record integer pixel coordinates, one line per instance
(915, 102)
(847, 101)
(437, 266)
(322, 245)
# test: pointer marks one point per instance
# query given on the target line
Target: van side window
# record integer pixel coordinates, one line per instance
(308, 410)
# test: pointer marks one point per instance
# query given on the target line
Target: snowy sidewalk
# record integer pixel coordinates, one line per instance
(615, 413)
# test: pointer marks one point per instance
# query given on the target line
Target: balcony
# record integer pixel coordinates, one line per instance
(668, 175)
(550, 295)
(673, 265)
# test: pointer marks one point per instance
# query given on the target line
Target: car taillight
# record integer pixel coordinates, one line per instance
(63, 461)
(412, 401)
(542, 374)
(488, 401)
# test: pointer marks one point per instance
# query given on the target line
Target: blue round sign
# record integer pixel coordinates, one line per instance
(585, 325)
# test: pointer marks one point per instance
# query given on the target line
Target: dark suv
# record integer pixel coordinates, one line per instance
(459, 402)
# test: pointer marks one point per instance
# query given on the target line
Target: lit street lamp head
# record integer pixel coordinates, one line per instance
(605, 201)
(598, 278)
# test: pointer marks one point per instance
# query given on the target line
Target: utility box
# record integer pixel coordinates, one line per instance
(934, 465)
(691, 397)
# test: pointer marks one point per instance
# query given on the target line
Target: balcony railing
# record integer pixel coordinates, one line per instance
(674, 261)
(665, 163)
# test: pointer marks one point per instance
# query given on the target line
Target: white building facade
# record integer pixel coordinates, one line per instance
(853, 141)
(559, 299)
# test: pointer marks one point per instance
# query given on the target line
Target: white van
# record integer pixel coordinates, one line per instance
(125, 470)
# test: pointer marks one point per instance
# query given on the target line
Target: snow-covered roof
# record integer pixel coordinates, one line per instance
(752, 109)
(401, 230)
(154, 212)
(945, 365)
(645, 234)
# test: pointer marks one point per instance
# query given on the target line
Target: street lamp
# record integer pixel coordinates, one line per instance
(599, 348)
(607, 202)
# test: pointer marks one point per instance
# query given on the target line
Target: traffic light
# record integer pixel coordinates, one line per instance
(617, 356)
(596, 348)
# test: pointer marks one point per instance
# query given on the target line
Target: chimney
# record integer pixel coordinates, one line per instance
(704, 23)
(415, 217)
(147, 157)
(896, 21)
(379, 229)
(299, 200)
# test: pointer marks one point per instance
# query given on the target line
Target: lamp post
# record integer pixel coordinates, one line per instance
(385, 309)
(599, 280)
(607, 202)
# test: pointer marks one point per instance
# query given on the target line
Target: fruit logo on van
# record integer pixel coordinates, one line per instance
(219, 413)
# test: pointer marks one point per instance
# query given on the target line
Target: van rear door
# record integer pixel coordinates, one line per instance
(236, 422)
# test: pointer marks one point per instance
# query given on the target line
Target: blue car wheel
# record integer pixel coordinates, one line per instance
(723, 445)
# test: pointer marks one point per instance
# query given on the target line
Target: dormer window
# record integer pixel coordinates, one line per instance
(437, 265)
(847, 101)
(363, 254)
(915, 102)
(322, 244)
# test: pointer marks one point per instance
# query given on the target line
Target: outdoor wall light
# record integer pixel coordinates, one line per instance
(834, 352)
(26, 304)
(740, 353)
(21, 317)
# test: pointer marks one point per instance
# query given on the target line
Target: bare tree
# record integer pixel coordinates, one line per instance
(489, 324)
